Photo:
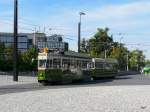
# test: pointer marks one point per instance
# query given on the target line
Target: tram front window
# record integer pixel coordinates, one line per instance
(42, 63)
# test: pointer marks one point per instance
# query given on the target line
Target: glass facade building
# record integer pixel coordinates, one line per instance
(8, 40)
(39, 40)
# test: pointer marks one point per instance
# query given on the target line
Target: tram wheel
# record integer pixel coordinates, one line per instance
(44, 83)
(112, 77)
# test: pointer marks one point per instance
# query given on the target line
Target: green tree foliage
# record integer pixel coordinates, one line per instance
(6, 61)
(120, 53)
(8, 58)
(102, 43)
(28, 59)
(2, 47)
(147, 62)
(137, 60)
(84, 46)
(97, 45)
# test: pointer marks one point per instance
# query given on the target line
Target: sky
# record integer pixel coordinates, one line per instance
(128, 20)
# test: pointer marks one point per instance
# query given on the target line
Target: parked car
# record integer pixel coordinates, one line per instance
(146, 69)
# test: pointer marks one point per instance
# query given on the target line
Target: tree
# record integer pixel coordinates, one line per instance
(2, 47)
(28, 59)
(147, 62)
(137, 60)
(6, 60)
(120, 53)
(98, 44)
(102, 44)
(84, 46)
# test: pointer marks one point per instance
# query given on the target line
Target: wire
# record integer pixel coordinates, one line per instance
(24, 28)
(121, 34)
(22, 22)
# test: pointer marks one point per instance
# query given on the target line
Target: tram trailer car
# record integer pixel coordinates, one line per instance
(102, 68)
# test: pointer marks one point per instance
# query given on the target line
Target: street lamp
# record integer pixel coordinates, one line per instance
(79, 30)
(81, 13)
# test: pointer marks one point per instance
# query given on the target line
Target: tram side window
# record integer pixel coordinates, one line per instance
(65, 64)
(109, 66)
(84, 64)
(57, 63)
(99, 65)
(115, 66)
(90, 65)
(49, 63)
(73, 64)
(79, 64)
(42, 63)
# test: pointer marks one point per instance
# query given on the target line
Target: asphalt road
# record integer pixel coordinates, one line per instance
(118, 81)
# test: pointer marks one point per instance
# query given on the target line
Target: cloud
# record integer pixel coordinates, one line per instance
(120, 11)
(130, 17)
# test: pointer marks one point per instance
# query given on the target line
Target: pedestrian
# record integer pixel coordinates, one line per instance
(142, 73)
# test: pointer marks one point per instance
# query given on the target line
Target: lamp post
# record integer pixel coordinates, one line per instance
(15, 51)
(120, 41)
(79, 30)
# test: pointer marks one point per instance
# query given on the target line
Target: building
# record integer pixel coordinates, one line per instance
(35, 38)
(54, 42)
(25, 40)
(38, 40)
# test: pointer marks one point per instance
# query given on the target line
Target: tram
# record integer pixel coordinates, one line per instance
(62, 66)
(72, 66)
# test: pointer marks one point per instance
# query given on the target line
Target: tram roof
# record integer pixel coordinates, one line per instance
(111, 60)
(71, 54)
(108, 60)
(98, 60)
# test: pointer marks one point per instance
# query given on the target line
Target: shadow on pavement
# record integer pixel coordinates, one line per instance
(118, 81)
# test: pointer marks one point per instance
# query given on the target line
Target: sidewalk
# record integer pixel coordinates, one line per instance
(8, 80)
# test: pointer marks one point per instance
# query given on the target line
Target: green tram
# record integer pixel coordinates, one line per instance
(72, 66)
(62, 67)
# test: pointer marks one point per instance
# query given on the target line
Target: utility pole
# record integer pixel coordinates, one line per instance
(15, 51)
(127, 62)
(79, 31)
(34, 37)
